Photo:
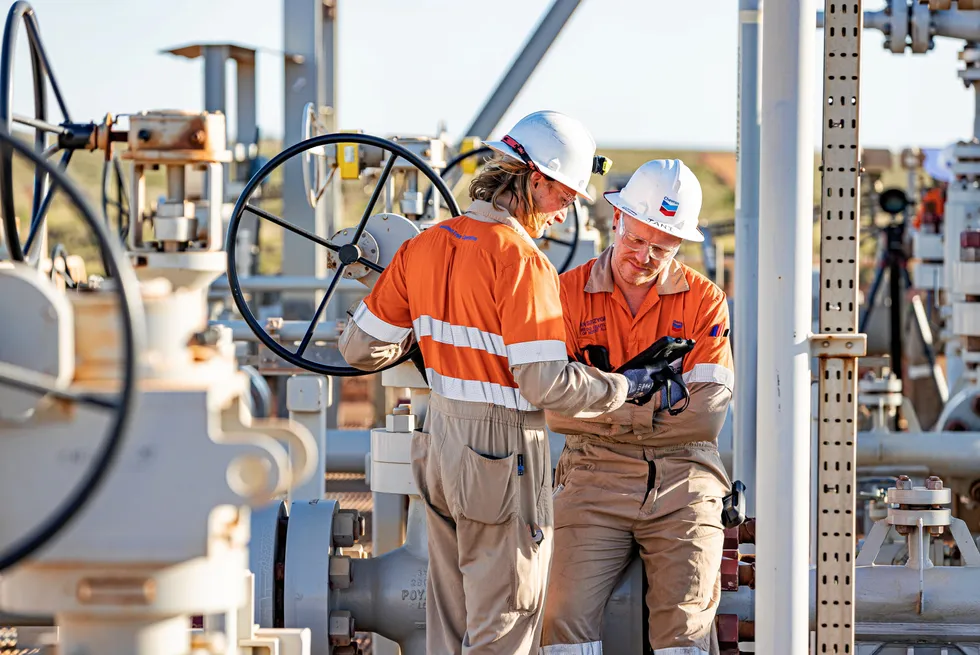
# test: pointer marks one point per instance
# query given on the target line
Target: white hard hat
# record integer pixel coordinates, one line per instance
(938, 163)
(556, 145)
(664, 194)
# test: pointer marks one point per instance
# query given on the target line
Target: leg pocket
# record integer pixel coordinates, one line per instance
(501, 565)
(488, 487)
(499, 549)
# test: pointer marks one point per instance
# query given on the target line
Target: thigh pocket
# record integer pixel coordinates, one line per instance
(501, 565)
(488, 488)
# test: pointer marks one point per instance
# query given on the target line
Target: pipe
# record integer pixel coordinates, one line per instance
(746, 319)
(387, 595)
(785, 273)
(955, 24)
(952, 454)
(290, 331)
(873, 20)
(289, 283)
(888, 595)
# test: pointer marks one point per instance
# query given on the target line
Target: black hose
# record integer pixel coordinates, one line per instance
(127, 288)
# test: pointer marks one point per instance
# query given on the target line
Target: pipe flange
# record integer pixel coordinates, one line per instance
(910, 517)
(921, 28)
(899, 26)
(306, 593)
(962, 412)
(264, 558)
(919, 496)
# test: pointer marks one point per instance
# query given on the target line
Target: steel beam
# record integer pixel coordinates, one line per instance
(306, 80)
(521, 69)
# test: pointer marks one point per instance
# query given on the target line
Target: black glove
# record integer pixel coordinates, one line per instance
(646, 381)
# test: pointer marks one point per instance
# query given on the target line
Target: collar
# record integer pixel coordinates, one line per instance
(672, 280)
(482, 210)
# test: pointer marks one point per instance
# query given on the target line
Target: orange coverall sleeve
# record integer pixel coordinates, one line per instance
(533, 329)
(380, 330)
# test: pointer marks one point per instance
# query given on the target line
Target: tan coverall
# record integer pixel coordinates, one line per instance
(483, 303)
(638, 477)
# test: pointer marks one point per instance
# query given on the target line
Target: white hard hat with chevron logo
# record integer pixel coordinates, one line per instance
(665, 194)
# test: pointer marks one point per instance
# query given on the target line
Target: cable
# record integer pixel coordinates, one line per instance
(130, 310)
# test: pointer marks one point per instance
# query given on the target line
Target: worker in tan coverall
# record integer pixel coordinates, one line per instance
(483, 304)
(639, 476)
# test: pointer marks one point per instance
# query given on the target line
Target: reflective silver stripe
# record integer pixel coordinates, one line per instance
(476, 391)
(459, 335)
(711, 373)
(528, 352)
(377, 328)
(462, 336)
(682, 650)
(590, 648)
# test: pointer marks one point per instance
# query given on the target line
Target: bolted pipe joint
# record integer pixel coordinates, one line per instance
(388, 593)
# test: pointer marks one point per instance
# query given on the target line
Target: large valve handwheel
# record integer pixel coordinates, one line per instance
(121, 404)
(571, 244)
(42, 74)
(348, 255)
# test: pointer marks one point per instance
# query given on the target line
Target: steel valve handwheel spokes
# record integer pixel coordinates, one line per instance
(344, 255)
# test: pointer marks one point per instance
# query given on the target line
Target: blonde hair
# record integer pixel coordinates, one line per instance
(504, 175)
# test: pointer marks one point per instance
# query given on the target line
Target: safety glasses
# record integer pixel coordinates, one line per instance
(634, 243)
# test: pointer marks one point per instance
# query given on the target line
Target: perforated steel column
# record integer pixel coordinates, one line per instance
(838, 345)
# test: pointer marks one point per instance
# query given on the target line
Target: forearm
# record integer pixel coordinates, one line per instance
(703, 418)
(364, 352)
(570, 388)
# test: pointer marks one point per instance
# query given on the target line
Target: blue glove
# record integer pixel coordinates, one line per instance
(640, 383)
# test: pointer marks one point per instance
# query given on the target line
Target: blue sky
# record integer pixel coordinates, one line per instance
(638, 72)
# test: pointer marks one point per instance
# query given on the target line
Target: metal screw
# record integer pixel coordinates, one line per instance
(903, 482)
(936, 530)
(934, 482)
(197, 138)
(903, 529)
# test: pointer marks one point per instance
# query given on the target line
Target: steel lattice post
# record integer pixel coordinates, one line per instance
(838, 345)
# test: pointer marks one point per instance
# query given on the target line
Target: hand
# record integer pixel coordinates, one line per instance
(640, 383)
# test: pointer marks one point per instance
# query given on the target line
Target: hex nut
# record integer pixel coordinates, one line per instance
(347, 528)
(340, 572)
(341, 630)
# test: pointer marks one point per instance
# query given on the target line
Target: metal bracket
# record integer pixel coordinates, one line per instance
(838, 346)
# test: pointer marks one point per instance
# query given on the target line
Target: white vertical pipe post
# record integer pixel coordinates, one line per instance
(785, 281)
(746, 319)
(307, 398)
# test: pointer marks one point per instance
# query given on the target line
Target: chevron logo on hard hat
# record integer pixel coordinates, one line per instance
(669, 207)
